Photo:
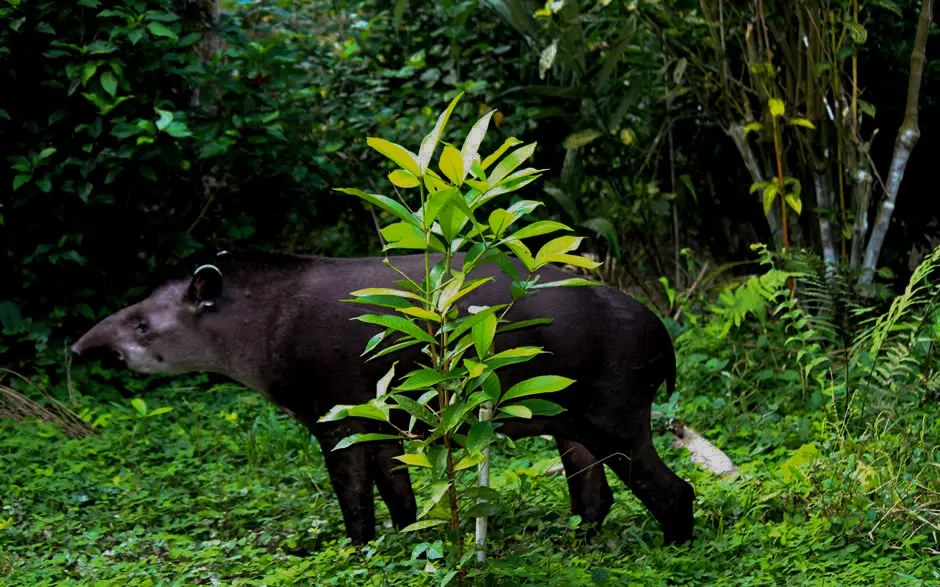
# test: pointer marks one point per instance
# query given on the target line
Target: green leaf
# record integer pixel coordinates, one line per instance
(507, 144)
(166, 117)
(370, 411)
(393, 348)
(109, 82)
(423, 524)
(572, 282)
(794, 203)
(397, 323)
(576, 260)
(557, 246)
(857, 31)
(581, 138)
(516, 411)
(387, 204)
(469, 461)
(541, 407)
(753, 127)
(398, 154)
(777, 107)
(801, 122)
(510, 163)
(521, 251)
(480, 435)
(499, 221)
(424, 379)
(436, 203)
(451, 165)
(374, 342)
(47, 152)
(88, 71)
(483, 333)
(385, 291)
(337, 412)
(403, 179)
(420, 313)
(416, 409)
(806, 454)
(159, 30)
(536, 385)
(605, 228)
(359, 437)
(414, 460)
(429, 143)
(471, 144)
(539, 228)
(139, 405)
(383, 301)
(512, 356)
(468, 322)
(381, 388)
(403, 235)
(770, 192)
(474, 369)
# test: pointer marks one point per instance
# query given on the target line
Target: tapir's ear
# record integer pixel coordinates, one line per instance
(206, 286)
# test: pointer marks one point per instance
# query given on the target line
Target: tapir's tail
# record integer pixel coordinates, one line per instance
(669, 370)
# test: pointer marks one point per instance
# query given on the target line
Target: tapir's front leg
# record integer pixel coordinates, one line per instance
(351, 476)
(394, 486)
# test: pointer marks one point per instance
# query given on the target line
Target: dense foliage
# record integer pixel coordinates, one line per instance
(203, 483)
(123, 147)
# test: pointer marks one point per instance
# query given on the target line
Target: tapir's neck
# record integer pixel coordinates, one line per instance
(240, 334)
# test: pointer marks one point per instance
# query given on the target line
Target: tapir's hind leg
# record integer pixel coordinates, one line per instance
(590, 493)
(665, 494)
(394, 486)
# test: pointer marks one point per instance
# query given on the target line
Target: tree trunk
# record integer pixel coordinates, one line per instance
(908, 135)
(211, 42)
(736, 132)
(824, 201)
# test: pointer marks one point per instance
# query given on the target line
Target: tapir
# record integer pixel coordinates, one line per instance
(279, 324)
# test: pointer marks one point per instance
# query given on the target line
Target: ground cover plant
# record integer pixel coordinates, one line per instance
(199, 482)
(126, 144)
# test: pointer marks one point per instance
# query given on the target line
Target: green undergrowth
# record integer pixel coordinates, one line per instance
(826, 403)
(224, 489)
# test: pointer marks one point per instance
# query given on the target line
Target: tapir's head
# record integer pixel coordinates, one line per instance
(167, 333)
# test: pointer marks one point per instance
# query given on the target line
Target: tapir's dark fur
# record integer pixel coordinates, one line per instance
(276, 324)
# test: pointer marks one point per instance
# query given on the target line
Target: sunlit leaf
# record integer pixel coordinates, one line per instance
(387, 204)
(471, 144)
(451, 165)
(414, 460)
(429, 143)
(536, 385)
(403, 179)
(397, 323)
(507, 144)
(581, 138)
(398, 154)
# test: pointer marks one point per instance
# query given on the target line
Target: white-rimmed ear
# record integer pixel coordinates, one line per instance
(206, 286)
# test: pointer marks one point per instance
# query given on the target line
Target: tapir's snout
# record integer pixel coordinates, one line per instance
(97, 344)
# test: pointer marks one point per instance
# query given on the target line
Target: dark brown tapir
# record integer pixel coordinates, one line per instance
(276, 323)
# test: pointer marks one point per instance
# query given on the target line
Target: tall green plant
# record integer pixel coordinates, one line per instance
(459, 387)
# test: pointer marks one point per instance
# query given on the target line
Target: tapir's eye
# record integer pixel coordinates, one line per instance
(142, 327)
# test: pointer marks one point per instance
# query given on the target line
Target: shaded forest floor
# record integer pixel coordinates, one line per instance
(223, 489)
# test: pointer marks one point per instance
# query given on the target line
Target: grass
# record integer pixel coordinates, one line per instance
(223, 489)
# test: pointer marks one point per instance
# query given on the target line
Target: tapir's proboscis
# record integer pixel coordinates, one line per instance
(278, 324)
